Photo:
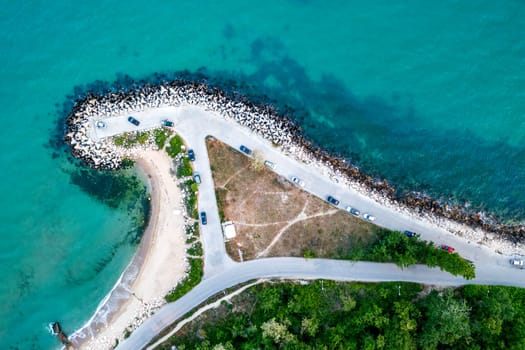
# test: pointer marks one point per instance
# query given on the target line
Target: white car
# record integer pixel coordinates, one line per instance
(297, 181)
(369, 217)
(270, 164)
(353, 211)
(517, 263)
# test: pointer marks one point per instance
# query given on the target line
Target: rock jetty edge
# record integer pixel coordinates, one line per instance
(265, 121)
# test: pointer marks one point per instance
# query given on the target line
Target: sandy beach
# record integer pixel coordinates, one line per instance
(160, 260)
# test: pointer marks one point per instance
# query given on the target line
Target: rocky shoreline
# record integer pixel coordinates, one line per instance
(265, 121)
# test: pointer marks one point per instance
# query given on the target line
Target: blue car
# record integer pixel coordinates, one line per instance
(197, 178)
(191, 155)
(167, 123)
(410, 233)
(204, 220)
(245, 149)
(332, 200)
(133, 121)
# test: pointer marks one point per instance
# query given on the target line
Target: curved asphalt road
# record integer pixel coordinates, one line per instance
(220, 272)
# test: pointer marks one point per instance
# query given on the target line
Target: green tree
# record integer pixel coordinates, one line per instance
(277, 331)
(401, 331)
(446, 320)
(309, 326)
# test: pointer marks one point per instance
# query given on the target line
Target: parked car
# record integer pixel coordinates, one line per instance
(100, 124)
(191, 155)
(166, 122)
(245, 149)
(270, 164)
(517, 263)
(410, 233)
(369, 217)
(297, 181)
(204, 219)
(133, 121)
(332, 200)
(197, 178)
(353, 211)
(447, 248)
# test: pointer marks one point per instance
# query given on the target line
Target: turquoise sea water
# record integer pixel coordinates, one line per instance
(428, 95)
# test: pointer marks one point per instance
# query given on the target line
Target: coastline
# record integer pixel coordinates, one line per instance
(141, 288)
(274, 128)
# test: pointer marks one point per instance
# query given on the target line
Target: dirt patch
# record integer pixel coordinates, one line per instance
(273, 217)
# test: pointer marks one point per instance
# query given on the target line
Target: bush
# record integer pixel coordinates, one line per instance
(175, 146)
(184, 168)
(196, 249)
(393, 246)
(194, 277)
(142, 137)
(161, 135)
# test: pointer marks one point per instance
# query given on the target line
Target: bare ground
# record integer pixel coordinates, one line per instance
(273, 217)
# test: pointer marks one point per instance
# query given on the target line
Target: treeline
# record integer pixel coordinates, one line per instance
(330, 315)
(396, 247)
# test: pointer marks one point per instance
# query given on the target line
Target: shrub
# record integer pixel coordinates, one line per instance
(161, 135)
(184, 168)
(190, 281)
(175, 146)
(142, 137)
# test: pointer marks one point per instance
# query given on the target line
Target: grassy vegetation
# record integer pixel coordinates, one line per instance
(184, 168)
(196, 249)
(190, 200)
(330, 315)
(219, 194)
(175, 146)
(129, 139)
(193, 278)
(161, 136)
(392, 246)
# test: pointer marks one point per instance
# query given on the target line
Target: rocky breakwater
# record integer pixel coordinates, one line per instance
(265, 121)
(79, 126)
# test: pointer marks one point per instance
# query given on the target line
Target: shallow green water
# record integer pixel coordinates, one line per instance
(429, 95)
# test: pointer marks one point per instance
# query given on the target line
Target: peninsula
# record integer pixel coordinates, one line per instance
(197, 111)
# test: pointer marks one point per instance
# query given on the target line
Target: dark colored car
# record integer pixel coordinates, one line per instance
(204, 220)
(332, 200)
(245, 149)
(133, 121)
(447, 248)
(166, 122)
(191, 155)
(410, 233)
(197, 178)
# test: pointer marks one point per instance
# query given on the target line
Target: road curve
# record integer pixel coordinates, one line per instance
(288, 268)
(295, 268)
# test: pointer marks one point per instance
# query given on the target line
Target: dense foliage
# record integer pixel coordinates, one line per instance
(129, 139)
(175, 146)
(391, 246)
(161, 136)
(184, 168)
(191, 280)
(330, 315)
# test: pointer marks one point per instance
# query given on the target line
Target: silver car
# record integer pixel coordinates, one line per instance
(270, 164)
(369, 217)
(297, 181)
